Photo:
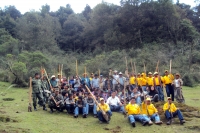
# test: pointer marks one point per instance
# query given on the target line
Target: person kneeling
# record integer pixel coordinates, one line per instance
(101, 109)
(80, 106)
(171, 111)
(149, 109)
(133, 111)
(56, 101)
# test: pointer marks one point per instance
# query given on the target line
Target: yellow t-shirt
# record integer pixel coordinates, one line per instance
(172, 107)
(132, 109)
(150, 81)
(105, 107)
(151, 109)
(132, 80)
(143, 81)
(168, 79)
(139, 81)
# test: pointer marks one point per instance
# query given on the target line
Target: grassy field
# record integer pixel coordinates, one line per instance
(14, 117)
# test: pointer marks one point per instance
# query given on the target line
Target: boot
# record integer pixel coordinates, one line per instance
(182, 122)
(144, 123)
(133, 124)
(51, 110)
(44, 108)
(35, 108)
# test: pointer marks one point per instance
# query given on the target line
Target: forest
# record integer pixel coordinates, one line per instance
(143, 31)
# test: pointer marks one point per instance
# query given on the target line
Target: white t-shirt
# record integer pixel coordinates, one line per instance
(177, 83)
(116, 78)
(113, 101)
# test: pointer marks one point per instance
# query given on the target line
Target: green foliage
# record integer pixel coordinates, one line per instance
(144, 31)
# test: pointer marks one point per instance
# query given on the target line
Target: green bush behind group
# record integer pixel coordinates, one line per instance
(100, 38)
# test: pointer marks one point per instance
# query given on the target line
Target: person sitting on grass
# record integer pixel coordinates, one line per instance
(114, 103)
(135, 93)
(80, 106)
(171, 111)
(70, 103)
(105, 107)
(149, 109)
(91, 106)
(133, 111)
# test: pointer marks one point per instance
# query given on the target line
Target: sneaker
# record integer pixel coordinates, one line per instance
(169, 122)
(133, 124)
(145, 123)
(159, 123)
(95, 116)
(35, 108)
(182, 122)
(150, 123)
(75, 116)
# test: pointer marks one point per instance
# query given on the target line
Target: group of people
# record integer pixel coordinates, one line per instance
(132, 95)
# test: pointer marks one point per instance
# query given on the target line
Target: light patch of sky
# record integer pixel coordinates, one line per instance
(77, 5)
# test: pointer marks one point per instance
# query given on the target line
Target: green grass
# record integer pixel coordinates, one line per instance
(43, 122)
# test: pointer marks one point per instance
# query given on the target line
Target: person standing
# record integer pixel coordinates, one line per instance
(167, 80)
(85, 80)
(157, 81)
(115, 79)
(95, 82)
(122, 81)
(132, 82)
(37, 92)
(178, 82)
(53, 81)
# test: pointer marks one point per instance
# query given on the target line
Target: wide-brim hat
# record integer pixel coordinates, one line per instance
(53, 76)
(155, 73)
(150, 73)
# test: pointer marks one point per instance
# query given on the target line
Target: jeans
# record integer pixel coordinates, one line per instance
(155, 117)
(100, 115)
(155, 98)
(78, 109)
(144, 89)
(91, 107)
(160, 93)
(169, 115)
(140, 118)
(70, 108)
(138, 100)
(116, 108)
(170, 90)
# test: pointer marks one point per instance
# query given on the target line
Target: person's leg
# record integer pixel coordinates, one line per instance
(132, 120)
(168, 90)
(138, 100)
(178, 112)
(155, 98)
(172, 91)
(168, 116)
(112, 108)
(76, 111)
(67, 108)
(87, 108)
(100, 116)
(160, 91)
(95, 109)
(84, 112)
(34, 98)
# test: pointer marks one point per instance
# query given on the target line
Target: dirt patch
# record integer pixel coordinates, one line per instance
(194, 127)
(7, 119)
(187, 111)
(116, 129)
(8, 99)
(2, 112)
